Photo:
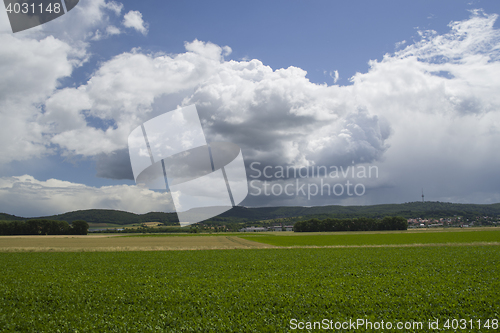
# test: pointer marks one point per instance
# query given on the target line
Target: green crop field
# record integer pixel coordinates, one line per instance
(247, 290)
(359, 239)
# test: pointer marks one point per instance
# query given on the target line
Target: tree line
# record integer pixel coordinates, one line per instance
(43, 227)
(356, 224)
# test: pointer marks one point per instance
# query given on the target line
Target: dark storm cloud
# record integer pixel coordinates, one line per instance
(115, 165)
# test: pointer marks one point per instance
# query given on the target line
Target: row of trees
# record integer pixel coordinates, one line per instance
(359, 224)
(43, 227)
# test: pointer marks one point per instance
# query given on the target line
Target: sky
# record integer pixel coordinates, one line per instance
(379, 100)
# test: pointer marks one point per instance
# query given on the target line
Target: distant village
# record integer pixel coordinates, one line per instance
(456, 221)
(273, 228)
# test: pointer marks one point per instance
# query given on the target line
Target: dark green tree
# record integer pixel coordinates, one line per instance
(79, 227)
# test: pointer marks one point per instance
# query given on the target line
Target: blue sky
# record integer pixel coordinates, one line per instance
(316, 36)
(292, 82)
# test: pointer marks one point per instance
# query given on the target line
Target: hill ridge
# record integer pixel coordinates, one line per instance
(248, 214)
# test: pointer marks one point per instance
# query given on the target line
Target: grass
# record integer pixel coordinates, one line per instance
(395, 238)
(245, 290)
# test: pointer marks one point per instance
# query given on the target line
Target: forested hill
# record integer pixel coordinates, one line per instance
(407, 210)
(105, 216)
(241, 214)
(9, 217)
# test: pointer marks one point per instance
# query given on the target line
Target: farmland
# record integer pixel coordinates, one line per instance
(254, 282)
(123, 243)
(244, 290)
(389, 238)
(163, 242)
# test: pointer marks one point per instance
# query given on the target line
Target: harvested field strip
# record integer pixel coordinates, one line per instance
(114, 243)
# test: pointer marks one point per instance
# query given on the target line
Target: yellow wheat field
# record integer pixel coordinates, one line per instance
(120, 243)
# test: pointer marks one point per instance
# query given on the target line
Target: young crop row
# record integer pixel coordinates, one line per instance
(244, 290)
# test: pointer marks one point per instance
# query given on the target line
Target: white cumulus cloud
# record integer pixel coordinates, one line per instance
(56, 196)
(133, 19)
(428, 114)
(33, 63)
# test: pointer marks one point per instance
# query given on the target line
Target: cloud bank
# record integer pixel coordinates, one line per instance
(28, 197)
(427, 115)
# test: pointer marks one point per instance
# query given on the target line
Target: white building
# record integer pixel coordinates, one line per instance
(253, 229)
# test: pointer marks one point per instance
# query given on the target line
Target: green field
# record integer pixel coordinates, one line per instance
(360, 239)
(245, 290)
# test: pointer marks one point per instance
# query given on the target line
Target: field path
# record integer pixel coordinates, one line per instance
(248, 244)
